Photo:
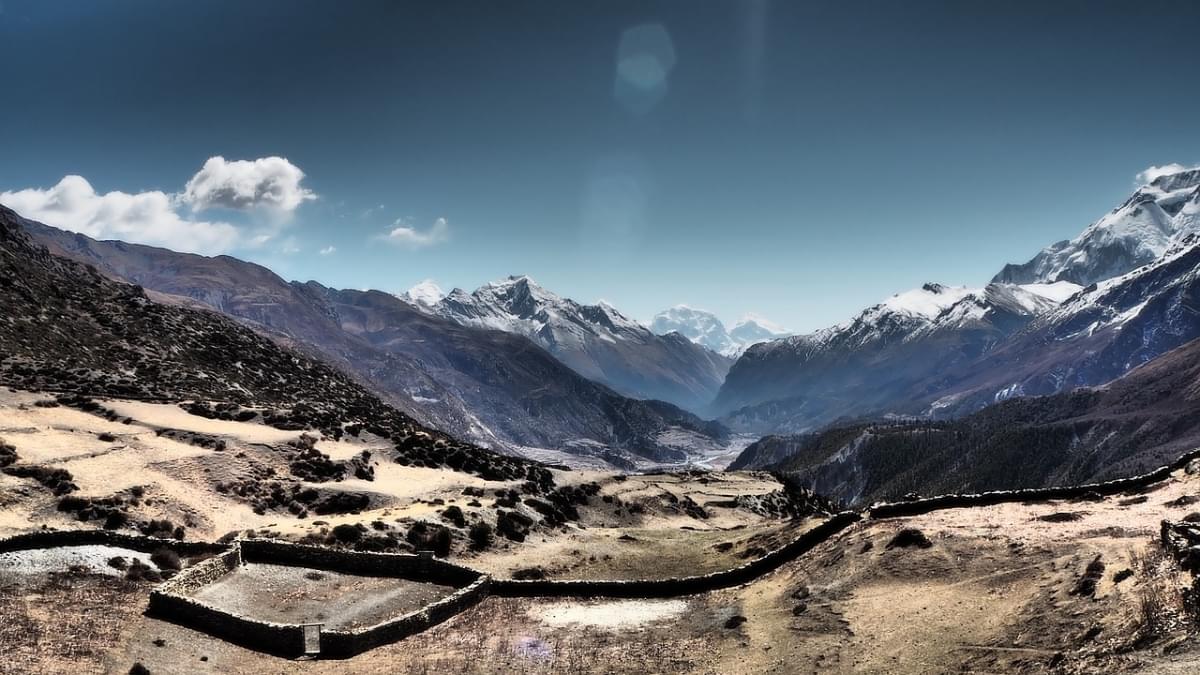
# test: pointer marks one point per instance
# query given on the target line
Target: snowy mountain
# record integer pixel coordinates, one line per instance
(425, 294)
(1137, 232)
(705, 329)
(801, 382)
(752, 329)
(596, 341)
(1097, 335)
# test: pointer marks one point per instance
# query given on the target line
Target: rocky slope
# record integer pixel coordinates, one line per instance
(596, 341)
(1131, 425)
(488, 386)
(67, 328)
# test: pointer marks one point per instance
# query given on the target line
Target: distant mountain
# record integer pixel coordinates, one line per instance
(596, 341)
(705, 329)
(1133, 234)
(868, 363)
(752, 329)
(494, 388)
(424, 294)
(1135, 423)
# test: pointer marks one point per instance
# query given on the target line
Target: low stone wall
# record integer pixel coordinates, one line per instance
(274, 638)
(662, 588)
(918, 507)
(343, 644)
(171, 602)
(416, 567)
(55, 538)
(203, 573)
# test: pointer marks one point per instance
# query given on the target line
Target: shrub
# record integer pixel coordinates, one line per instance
(909, 537)
(455, 516)
(428, 537)
(346, 533)
(8, 454)
(166, 559)
(481, 536)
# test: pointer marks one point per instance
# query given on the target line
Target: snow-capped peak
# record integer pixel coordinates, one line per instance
(425, 294)
(517, 304)
(1135, 233)
(705, 329)
(927, 301)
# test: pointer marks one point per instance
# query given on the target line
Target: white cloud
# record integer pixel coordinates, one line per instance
(407, 236)
(1154, 172)
(328, 250)
(244, 184)
(144, 217)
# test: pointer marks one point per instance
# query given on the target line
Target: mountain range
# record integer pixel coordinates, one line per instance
(596, 341)
(1036, 329)
(491, 387)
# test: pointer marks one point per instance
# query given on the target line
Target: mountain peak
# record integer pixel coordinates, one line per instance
(424, 294)
(705, 329)
(1135, 233)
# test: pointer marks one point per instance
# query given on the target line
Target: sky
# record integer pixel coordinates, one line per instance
(798, 160)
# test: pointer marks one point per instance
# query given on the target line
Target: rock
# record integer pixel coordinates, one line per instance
(735, 621)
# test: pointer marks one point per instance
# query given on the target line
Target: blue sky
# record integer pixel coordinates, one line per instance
(800, 160)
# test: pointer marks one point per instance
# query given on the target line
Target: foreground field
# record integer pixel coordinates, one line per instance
(1063, 586)
(991, 589)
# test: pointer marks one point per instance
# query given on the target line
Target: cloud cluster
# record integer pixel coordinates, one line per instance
(407, 236)
(1150, 174)
(146, 217)
(157, 218)
(245, 184)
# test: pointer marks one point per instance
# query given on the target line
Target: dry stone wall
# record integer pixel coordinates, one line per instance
(56, 538)
(918, 507)
(661, 588)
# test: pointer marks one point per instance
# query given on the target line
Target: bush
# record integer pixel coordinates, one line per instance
(909, 537)
(8, 454)
(481, 535)
(166, 559)
(427, 537)
(139, 571)
(347, 534)
(455, 516)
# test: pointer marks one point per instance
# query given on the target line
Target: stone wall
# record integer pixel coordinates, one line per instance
(918, 507)
(662, 588)
(203, 573)
(133, 542)
(419, 567)
(171, 602)
(343, 644)
(273, 638)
